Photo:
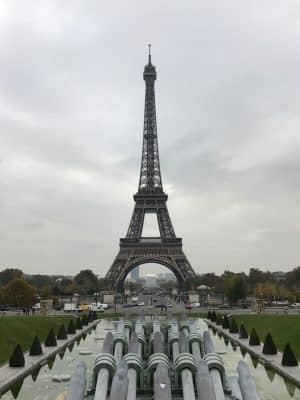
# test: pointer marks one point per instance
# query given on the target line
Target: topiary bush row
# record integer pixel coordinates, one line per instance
(17, 357)
(269, 347)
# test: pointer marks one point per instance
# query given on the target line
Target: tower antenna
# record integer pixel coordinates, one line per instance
(149, 55)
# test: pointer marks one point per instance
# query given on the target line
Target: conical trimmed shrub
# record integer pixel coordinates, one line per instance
(214, 316)
(219, 320)
(288, 357)
(254, 338)
(90, 317)
(36, 348)
(50, 339)
(269, 346)
(62, 334)
(243, 334)
(71, 328)
(17, 358)
(78, 323)
(208, 315)
(95, 315)
(84, 320)
(225, 324)
(233, 328)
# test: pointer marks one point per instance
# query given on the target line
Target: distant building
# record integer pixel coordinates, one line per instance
(279, 275)
(135, 274)
(151, 281)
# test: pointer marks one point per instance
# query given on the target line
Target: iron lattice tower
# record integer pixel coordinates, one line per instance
(150, 198)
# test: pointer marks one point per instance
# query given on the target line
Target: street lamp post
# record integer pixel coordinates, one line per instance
(60, 280)
(96, 292)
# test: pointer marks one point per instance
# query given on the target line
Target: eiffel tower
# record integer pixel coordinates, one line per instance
(150, 198)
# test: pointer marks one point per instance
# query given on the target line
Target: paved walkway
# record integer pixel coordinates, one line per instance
(273, 361)
(9, 375)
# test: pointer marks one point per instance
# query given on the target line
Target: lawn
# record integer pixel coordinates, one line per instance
(21, 329)
(283, 328)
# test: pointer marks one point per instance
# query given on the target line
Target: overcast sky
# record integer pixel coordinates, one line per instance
(71, 117)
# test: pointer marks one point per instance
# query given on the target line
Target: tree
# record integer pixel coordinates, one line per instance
(266, 290)
(18, 293)
(257, 276)
(9, 274)
(86, 281)
(236, 288)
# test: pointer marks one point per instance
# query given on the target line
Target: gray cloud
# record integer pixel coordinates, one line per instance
(71, 114)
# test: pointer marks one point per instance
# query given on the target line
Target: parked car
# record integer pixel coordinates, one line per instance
(189, 306)
(295, 305)
(141, 304)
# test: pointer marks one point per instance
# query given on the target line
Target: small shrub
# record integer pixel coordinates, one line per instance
(84, 320)
(71, 328)
(243, 334)
(62, 334)
(288, 357)
(214, 316)
(17, 357)
(50, 339)
(225, 324)
(219, 320)
(233, 328)
(269, 346)
(209, 315)
(78, 323)
(36, 348)
(254, 338)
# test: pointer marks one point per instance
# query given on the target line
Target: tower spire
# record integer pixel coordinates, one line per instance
(150, 176)
(149, 54)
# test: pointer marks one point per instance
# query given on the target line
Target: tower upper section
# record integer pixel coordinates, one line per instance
(150, 176)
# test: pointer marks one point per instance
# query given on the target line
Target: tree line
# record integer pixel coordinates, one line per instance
(269, 286)
(20, 290)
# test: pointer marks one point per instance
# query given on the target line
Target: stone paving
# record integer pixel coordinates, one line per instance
(274, 361)
(9, 375)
